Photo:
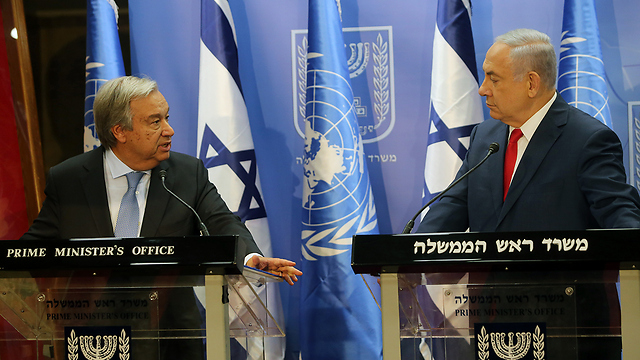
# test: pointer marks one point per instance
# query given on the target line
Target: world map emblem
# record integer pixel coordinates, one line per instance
(370, 60)
(337, 199)
(579, 81)
(92, 84)
(333, 162)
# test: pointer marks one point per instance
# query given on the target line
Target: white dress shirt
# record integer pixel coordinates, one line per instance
(529, 128)
(117, 185)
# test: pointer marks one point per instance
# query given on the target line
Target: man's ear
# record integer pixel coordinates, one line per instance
(533, 82)
(119, 133)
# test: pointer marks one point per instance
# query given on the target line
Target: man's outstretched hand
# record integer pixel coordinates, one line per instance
(276, 266)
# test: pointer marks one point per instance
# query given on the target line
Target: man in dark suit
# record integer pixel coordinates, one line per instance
(567, 167)
(570, 177)
(84, 192)
(85, 195)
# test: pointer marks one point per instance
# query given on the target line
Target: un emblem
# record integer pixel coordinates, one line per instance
(97, 343)
(337, 193)
(91, 88)
(370, 61)
(510, 341)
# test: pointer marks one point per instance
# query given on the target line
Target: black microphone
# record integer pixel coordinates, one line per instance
(493, 148)
(203, 227)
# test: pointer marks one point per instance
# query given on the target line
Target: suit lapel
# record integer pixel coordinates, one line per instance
(157, 200)
(543, 139)
(497, 167)
(95, 190)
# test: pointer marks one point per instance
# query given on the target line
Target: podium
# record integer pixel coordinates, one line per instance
(150, 298)
(517, 295)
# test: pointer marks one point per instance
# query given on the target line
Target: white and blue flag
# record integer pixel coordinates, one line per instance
(455, 103)
(456, 109)
(226, 146)
(339, 317)
(103, 61)
(581, 77)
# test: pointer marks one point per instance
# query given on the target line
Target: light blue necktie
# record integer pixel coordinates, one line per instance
(129, 214)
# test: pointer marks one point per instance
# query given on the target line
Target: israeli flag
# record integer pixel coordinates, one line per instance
(456, 109)
(455, 103)
(103, 61)
(225, 145)
(339, 317)
(581, 77)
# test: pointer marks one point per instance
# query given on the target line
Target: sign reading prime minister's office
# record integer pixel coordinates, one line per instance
(73, 254)
(88, 251)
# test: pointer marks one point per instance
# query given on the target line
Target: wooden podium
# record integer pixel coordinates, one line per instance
(452, 289)
(129, 298)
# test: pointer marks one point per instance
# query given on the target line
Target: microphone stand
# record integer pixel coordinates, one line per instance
(493, 148)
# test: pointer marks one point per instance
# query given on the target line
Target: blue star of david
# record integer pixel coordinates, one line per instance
(452, 137)
(234, 161)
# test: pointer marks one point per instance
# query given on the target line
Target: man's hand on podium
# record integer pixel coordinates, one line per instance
(276, 266)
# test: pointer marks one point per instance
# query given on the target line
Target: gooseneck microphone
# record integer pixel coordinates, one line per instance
(203, 228)
(493, 148)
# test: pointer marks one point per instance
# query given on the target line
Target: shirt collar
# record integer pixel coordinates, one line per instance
(116, 166)
(531, 125)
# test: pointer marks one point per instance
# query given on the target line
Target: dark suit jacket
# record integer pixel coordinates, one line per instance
(76, 206)
(571, 177)
(76, 202)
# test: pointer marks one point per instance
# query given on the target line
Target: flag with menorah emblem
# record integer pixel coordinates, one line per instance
(103, 61)
(455, 103)
(339, 317)
(582, 81)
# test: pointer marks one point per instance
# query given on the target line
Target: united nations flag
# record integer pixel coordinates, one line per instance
(581, 77)
(104, 59)
(340, 319)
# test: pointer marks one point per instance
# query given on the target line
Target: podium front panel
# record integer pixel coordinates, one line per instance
(89, 316)
(493, 316)
(145, 301)
(520, 295)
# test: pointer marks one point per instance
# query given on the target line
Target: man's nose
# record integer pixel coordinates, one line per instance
(168, 130)
(483, 89)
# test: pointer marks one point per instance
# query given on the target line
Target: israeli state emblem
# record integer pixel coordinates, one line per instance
(97, 342)
(510, 341)
(370, 61)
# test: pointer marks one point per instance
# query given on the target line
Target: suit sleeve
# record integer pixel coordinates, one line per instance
(46, 225)
(217, 216)
(613, 202)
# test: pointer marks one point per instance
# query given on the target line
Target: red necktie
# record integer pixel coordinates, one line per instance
(510, 159)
